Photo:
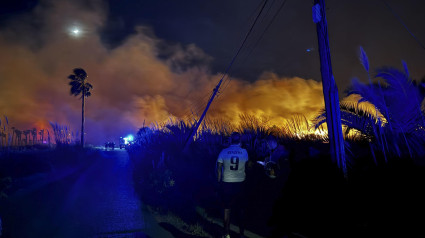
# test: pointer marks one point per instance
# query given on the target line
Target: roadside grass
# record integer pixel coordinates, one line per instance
(174, 180)
(178, 182)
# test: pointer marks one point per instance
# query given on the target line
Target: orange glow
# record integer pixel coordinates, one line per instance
(133, 86)
(41, 124)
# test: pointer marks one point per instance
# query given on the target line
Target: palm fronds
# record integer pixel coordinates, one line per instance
(392, 120)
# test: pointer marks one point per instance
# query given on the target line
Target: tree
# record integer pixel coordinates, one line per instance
(80, 86)
(41, 133)
(34, 135)
(13, 136)
(26, 133)
(396, 125)
(18, 134)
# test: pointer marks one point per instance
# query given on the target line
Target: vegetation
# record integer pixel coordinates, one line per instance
(387, 112)
(79, 85)
(14, 138)
(384, 130)
(181, 181)
(383, 125)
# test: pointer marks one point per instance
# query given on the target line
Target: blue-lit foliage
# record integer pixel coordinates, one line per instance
(173, 179)
(400, 131)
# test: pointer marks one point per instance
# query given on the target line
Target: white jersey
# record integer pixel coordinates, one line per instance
(233, 159)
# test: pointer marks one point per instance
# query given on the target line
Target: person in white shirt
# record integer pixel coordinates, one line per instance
(231, 174)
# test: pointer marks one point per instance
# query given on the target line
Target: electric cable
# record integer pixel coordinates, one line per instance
(402, 23)
(225, 73)
(226, 83)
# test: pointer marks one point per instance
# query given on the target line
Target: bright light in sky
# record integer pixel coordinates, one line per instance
(75, 31)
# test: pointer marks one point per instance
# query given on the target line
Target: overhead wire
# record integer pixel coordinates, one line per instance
(189, 112)
(196, 104)
(227, 79)
(243, 43)
(194, 130)
(402, 23)
(226, 83)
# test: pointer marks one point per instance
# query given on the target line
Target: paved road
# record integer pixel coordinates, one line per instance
(97, 201)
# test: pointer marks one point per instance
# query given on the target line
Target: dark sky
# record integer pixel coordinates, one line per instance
(219, 26)
(151, 60)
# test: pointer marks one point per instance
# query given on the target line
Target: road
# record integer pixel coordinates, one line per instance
(97, 201)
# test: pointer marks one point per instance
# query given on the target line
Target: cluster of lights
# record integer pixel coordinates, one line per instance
(128, 139)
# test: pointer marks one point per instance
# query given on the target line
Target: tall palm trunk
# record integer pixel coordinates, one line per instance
(34, 136)
(79, 85)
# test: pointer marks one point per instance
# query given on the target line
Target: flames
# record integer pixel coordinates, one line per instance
(133, 85)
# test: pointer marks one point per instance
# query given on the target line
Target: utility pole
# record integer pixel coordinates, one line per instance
(330, 90)
(195, 129)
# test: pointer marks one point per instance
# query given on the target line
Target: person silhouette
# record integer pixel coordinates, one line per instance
(231, 175)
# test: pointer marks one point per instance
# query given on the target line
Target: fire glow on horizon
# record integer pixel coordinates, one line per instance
(133, 86)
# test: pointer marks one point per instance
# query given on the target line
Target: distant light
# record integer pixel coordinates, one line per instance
(309, 49)
(130, 138)
(75, 31)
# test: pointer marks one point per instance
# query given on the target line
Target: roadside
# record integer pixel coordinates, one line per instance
(94, 199)
(207, 226)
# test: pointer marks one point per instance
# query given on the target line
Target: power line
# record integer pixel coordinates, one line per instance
(226, 83)
(402, 23)
(197, 103)
(192, 112)
(225, 73)
(189, 112)
(267, 27)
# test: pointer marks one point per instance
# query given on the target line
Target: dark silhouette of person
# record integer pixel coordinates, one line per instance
(231, 175)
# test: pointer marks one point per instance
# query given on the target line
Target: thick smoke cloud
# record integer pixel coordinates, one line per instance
(142, 81)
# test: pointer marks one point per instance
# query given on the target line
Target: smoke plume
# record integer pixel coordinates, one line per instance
(143, 80)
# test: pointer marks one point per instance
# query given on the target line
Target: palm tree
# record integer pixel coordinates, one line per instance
(34, 135)
(26, 133)
(396, 125)
(18, 134)
(79, 85)
(2, 137)
(41, 133)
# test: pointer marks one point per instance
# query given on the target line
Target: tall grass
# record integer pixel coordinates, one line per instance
(63, 135)
(12, 138)
(169, 177)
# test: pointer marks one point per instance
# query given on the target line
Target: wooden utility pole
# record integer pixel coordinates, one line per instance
(330, 90)
(195, 129)
(198, 123)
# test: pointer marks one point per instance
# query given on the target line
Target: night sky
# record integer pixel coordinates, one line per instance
(152, 60)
